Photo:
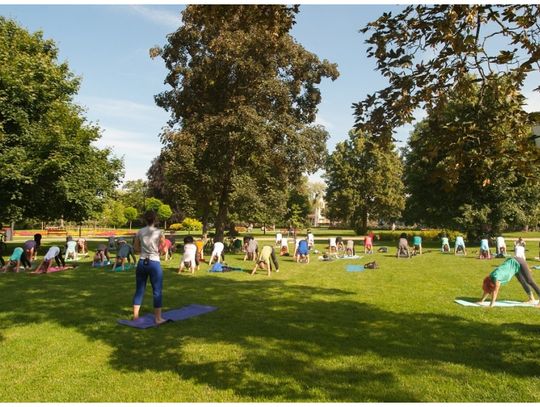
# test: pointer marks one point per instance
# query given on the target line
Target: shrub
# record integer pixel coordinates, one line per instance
(426, 235)
(175, 226)
(191, 224)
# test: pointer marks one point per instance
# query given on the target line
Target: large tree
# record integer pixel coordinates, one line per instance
(50, 168)
(363, 179)
(424, 50)
(471, 164)
(244, 95)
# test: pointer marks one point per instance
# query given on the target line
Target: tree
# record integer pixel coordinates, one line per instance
(244, 95)
(471, 165)
(133, 193)
(113, 213)
(164, 213)
(130, 213)
(152, 204)
(425, 50)
(49, 167)
(363, 179)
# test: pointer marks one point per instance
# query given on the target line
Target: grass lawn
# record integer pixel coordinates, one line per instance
(309, 333)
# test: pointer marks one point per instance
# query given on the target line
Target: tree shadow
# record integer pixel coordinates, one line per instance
(285, 333)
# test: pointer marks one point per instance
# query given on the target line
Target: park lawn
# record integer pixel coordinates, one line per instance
(308, 333)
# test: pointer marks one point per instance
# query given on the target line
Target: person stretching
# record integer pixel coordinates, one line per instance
(53, 253)
(514, 266)
(147, 242)
(266, 253)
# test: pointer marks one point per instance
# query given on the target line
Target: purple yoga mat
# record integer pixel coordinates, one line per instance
(147, 321)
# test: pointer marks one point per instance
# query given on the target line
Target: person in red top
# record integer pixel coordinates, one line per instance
(368, 244)
(165, 249)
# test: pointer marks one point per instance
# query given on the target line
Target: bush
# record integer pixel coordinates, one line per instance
(175, 226)
(191, 224)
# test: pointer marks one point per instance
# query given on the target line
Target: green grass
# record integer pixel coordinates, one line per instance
(309, 333)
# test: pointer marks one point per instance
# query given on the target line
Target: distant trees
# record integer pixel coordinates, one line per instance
(243, 99)
(49, 167)
(363, 179)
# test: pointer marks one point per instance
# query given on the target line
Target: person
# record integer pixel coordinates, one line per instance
(165, 249)
(82, 246)
(519, 248)
(417, 244)
(485, 253)
(252, 249)
(147, 242)
(339, 244)
(459, 247)
(14, 261)
(302, 252)
(284, 251)
(102, 253)
(349, 249)
(71, 248)
(445, 244)
(125, 251)
(332, 245)
(500, 246)
(200, 249)
(3, 249)
(55, 253)
(266, 254)
(217, 253)
(368, 244)
(279, 236)
(189, 259)
(403, 247)
(514, 266)
(310, 239)
(31, 247)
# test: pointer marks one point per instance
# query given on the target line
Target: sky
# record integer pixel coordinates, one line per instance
(108, 47)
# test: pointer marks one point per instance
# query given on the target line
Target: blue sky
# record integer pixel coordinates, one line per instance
(107, 46)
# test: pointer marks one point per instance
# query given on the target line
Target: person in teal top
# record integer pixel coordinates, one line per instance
(14, 260)
(514, 266)
(417, 245)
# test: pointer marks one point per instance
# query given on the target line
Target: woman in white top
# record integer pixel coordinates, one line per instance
(147, 242)
(217, 253)
(189, 259)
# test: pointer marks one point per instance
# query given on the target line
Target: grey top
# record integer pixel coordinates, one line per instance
(149, 237)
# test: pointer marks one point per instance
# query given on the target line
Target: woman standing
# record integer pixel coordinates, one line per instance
(147, 242)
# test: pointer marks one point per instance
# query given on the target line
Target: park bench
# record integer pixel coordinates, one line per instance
(56, 231)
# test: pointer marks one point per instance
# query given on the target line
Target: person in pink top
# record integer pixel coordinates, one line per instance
(368, 244)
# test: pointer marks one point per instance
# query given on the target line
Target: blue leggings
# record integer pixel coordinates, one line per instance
(153, 270)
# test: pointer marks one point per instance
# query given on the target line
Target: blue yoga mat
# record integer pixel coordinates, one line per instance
(355, 267)
(126, 267)
(147, 321)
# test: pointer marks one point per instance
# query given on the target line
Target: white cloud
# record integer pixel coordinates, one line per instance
(130, 144)
(161, 17)
(119, 107)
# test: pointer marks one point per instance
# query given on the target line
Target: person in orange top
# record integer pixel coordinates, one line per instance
(200, 250)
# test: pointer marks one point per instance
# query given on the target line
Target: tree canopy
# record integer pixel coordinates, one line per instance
(50, 168)
(363, 179)
(244, 95)
(425, 50)
(472, 165)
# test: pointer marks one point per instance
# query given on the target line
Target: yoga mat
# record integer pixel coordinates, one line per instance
(536, 267)
(105, 263)
(147, 321)
(53, 270)
(355, 267)
(126, 267)
(497, 304)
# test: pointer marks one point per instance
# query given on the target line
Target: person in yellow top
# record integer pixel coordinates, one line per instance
(265, 255)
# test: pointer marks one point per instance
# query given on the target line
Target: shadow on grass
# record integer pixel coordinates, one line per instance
(297, 342)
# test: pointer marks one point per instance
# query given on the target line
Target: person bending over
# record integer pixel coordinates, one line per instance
(189, 259)
(514, 266)
(125, 252)
(55, 253)
(266, 254)
(14, 262)
(302, 252)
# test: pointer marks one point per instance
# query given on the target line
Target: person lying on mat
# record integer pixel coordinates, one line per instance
(125, 251)
(266, 253)
(53, 253)
(514, 266)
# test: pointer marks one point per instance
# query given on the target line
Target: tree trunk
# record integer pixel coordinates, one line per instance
(130, 225)
(222, 215)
